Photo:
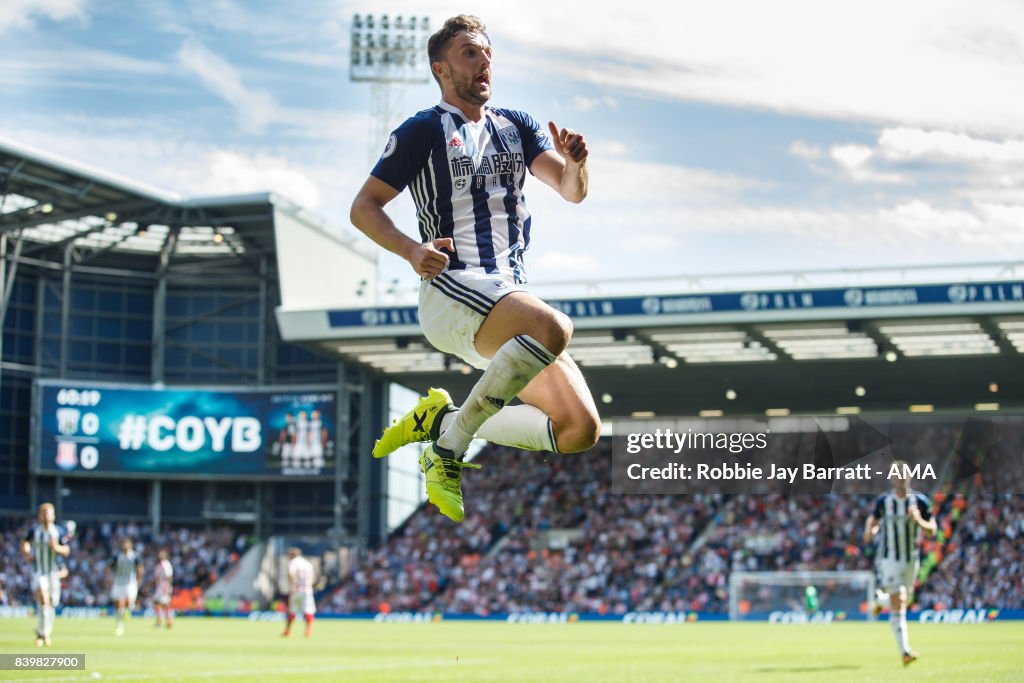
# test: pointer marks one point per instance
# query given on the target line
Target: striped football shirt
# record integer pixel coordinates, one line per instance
(466, 179)
(897, 536)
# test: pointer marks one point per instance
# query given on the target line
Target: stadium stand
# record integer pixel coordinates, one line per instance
(198, 558)
(546, 533)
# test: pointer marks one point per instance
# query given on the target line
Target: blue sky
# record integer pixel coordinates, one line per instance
(730, 136)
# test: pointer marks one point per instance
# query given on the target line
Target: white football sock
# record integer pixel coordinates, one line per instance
(51, 614)
(898, 623)
(516, 363)
(520, 426)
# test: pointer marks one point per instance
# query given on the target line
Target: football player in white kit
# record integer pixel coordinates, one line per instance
(300, 450)
(893, 524)
(465, 164)
(300, 590)
(317, 438)
(287, 440)
(41, 548)
(164, 573)
(127, 575)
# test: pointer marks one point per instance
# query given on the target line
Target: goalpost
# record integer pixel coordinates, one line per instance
(838, 594)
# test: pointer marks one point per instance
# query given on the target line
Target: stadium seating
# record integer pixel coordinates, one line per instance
(617, 553)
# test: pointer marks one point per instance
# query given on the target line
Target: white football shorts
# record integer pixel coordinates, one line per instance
(302, 602)
(49, 584)
(162, 595)
(454, 304)
(125, 591)
(892, 574)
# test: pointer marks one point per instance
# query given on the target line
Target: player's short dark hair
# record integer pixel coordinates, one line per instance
(451, 28)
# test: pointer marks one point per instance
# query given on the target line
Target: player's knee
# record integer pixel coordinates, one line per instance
(554, 332)
(579, 434)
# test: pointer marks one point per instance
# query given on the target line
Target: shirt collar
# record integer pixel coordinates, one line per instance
(451, 108)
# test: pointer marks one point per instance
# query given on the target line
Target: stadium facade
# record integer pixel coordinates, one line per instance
(111, 285)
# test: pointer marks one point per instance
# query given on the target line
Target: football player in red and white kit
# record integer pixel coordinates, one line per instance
(300, 590)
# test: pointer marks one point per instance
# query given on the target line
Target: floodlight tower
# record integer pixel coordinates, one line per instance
(387, 51)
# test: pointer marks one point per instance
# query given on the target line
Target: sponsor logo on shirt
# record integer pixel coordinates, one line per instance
(390, 148)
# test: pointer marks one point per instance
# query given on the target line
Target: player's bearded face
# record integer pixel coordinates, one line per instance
(468, 65)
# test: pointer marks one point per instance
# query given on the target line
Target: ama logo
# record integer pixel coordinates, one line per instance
(916, 471)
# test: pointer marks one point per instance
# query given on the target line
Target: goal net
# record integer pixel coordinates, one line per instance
(801, 596)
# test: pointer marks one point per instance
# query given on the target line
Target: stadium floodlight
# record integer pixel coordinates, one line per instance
(389, 49)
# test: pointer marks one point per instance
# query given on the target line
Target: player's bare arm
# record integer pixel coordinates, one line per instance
(871, 529)
(565, 168)
(26, 551)
(367, 213)
(59, 548)
(930, 526)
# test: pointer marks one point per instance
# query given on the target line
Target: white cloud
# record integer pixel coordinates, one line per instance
(633, 184)
(224, 172)
(918, 219)
(79, 67)
(950, 64)
(905, 144)
(806, 151)
(154, 153)
(851, 156)
(255, 108)
(585, 104)
(19, 14)
(855, 162)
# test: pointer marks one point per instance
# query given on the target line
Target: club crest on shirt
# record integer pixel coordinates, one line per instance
(510, 134)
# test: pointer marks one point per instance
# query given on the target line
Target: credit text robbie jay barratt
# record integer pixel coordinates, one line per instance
(746, 471)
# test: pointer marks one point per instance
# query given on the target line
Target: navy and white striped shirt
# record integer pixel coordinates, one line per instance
(897, 535)
(126, 568)
(44, 558)
(466, 179)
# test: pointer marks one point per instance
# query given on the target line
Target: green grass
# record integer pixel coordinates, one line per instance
(363, 651)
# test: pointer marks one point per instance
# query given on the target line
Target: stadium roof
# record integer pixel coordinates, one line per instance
(52, 202)
(750, 348)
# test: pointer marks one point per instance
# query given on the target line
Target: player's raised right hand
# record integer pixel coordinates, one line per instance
(429, 259)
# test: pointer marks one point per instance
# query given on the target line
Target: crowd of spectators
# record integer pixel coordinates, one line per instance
(513, 490)
(544, 532)
(198, 557)
(984, 566)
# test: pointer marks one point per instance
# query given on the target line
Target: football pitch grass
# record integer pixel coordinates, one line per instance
(200, 649)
